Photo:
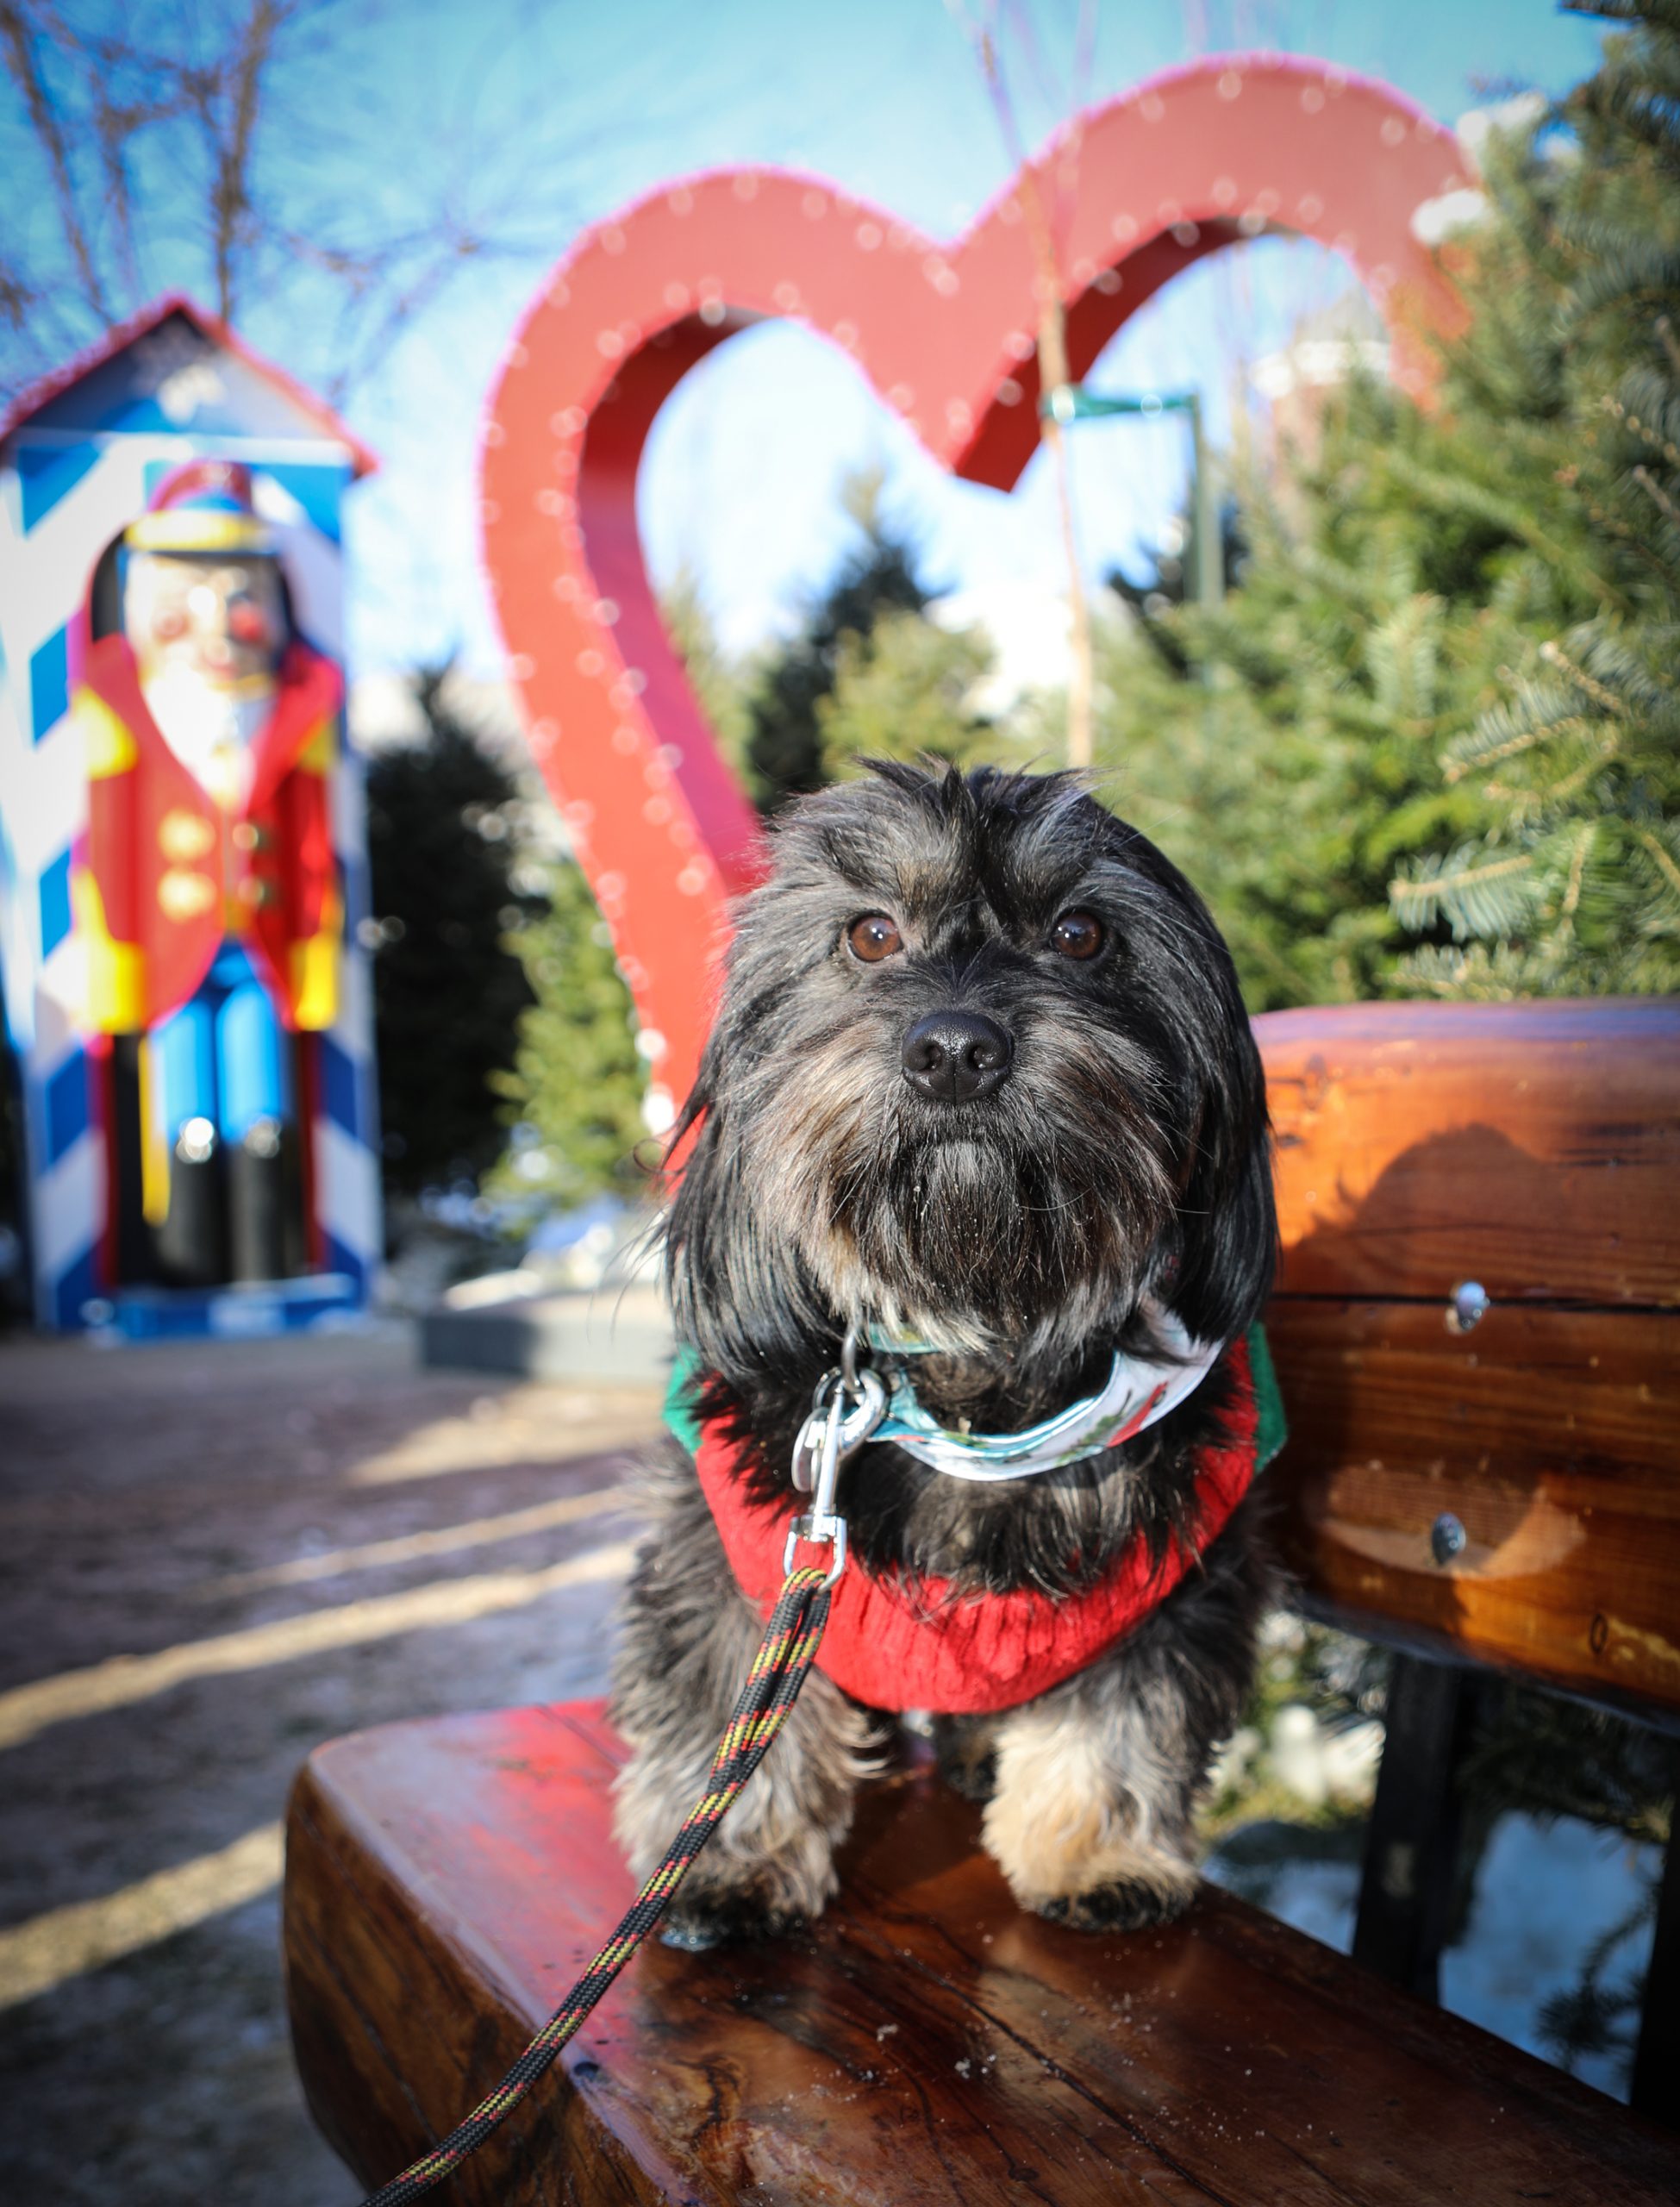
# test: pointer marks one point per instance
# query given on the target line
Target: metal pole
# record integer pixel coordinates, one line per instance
(1210, 577)
(1066, 404)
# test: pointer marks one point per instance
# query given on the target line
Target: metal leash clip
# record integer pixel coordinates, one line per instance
(849, 1404)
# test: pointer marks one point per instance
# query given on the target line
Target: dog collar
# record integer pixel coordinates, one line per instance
(1137, 1391)
(892, 1643)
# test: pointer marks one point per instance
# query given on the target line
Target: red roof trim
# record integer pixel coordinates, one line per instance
(117, 339)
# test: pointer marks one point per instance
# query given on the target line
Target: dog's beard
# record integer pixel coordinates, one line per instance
(1018, 1223)
(998, 1225)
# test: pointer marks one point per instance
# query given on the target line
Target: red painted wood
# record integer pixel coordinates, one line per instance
(1141, 187)
(924, 2045)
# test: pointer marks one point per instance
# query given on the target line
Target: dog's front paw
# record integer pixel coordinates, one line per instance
(718, 1919)
(1128, 1904)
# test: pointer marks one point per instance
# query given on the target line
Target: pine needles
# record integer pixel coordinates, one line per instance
(1442, 751)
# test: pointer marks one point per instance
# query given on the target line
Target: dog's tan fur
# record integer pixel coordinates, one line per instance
(1076, 1812)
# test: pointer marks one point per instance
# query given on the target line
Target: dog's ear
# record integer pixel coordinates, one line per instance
(1227, 1226)
(690, 1218)
(739, 1297)
(1224, 1249)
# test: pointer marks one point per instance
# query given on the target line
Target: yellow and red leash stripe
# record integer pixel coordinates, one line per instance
(779, 1670)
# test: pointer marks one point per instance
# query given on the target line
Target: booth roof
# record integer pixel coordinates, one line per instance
(116, 339)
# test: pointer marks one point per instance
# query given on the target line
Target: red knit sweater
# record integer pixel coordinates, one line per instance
(895, 1647)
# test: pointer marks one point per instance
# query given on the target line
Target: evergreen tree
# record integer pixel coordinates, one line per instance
(447, 994)
(1575, 885)
(1442, 701)
(1283, 747)
(717, 686)
(905, 691)
(1174, 570)
(574, 1089)
(572, 1093)
(785, 743)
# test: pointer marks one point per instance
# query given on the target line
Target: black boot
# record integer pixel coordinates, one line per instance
(192, 1241)
(259, 1201)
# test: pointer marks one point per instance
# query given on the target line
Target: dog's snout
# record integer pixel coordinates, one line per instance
(953, 1056)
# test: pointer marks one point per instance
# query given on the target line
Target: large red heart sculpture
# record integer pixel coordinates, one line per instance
(1187, 163)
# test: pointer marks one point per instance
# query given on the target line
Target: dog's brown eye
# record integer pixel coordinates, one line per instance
(1078, 935)
(874, 937)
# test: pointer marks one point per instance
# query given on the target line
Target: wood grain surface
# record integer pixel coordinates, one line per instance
(924, 2043)
(1534, 1148)
(1548, 1434)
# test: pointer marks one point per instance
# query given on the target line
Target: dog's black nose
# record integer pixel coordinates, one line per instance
(955, 1055)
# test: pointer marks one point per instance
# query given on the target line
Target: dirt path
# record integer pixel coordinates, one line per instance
(294, 1539)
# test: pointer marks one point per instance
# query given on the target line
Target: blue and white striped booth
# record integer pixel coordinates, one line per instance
(79, 457)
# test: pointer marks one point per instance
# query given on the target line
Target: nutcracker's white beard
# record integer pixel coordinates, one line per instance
(211, 726)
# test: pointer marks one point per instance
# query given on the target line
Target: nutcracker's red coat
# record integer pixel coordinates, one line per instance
(276, 886)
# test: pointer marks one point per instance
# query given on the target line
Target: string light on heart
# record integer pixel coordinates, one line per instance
(1183, 166)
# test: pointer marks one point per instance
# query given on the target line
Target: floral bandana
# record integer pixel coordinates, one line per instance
(1138, 1390)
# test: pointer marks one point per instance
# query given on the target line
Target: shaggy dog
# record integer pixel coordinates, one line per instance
(981, 1075)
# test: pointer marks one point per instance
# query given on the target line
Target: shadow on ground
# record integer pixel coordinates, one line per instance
(291, 1540)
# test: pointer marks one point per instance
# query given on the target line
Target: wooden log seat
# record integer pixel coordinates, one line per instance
(925, 2041)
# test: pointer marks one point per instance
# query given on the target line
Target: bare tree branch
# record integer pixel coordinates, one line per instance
(260, 114)
(20, 61)
(231, 197)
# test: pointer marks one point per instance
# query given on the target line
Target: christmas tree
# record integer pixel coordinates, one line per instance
(573, 1092)
(906, 691)
(1574, 885)
(1284, 748)
(784, 748)
(717, 684)
(1429, 745)
(447, 994)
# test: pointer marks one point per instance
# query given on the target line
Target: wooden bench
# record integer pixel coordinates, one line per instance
(1502, 1496)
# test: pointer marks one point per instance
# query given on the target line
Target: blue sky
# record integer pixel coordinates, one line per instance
(557, 112)
(742, 477)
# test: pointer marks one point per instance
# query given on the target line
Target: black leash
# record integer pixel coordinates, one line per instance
(779, 1670)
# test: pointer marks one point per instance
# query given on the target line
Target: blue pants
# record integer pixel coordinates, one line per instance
(223, 1056)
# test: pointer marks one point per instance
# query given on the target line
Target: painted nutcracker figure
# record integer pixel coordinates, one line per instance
(206, 887)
